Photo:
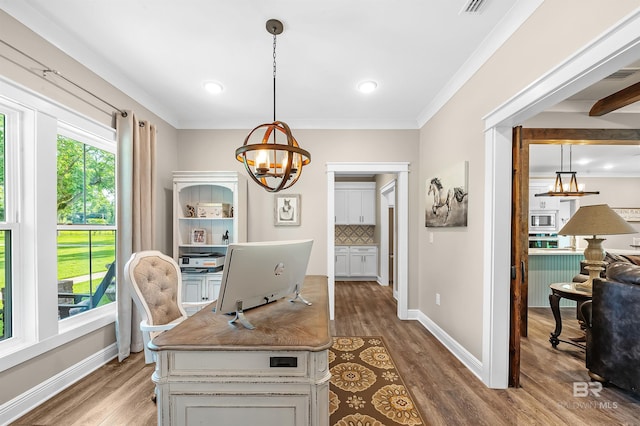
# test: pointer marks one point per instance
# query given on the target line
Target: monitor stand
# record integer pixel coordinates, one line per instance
(299, 297)
(241, 318)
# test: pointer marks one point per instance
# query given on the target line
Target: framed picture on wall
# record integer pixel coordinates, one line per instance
(287, 210)
(446, 196)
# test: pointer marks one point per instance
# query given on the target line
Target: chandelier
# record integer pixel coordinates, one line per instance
(566, 189)
(275, 165)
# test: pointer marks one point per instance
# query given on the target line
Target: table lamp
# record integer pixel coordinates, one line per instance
(595, 220)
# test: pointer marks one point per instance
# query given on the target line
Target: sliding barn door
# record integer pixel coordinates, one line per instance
(519, 252)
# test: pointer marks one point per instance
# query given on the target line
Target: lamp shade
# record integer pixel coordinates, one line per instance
(595, 220)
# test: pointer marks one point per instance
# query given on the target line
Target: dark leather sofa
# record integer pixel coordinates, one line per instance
(612, 320)
(609, 258)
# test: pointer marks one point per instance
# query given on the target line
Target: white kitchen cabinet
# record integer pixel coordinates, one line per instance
(356, 261)
(542, 203)
(363, 261)
(355, 203)
(209, 212)
(342, 261)
(340, 202)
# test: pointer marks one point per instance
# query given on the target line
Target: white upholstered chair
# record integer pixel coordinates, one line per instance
(155, 282)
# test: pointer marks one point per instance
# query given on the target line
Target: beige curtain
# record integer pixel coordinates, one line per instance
(136, 188)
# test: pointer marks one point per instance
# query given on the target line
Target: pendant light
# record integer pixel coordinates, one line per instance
(274, 165)
(562, 189)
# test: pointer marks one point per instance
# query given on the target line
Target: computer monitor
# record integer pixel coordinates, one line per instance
(258, 273)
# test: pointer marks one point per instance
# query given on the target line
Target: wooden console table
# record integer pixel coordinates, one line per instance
(211, 372)
(568, 291)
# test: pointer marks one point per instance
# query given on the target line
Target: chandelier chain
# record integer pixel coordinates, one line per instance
(274, 78)
(570, 157)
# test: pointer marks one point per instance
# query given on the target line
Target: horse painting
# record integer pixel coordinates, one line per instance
(444, 198)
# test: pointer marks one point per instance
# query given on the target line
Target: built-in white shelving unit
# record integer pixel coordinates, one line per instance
(209, 212)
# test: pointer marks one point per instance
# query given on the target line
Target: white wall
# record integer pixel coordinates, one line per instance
(616, 192)
(453, 264)
(214, 150)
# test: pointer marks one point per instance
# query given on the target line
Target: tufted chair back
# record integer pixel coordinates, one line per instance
(156, 285)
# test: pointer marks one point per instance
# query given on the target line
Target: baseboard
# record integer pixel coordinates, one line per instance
(356, 279)
(35, 396)
(465, 357)
(380, 282)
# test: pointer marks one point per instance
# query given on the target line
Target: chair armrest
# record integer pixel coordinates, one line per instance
(586, 310)
(156, 328)
(199, 305)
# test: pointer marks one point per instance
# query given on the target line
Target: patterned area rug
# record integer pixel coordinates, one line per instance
(366, 388)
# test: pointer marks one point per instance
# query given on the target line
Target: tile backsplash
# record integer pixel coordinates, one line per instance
(354, 234)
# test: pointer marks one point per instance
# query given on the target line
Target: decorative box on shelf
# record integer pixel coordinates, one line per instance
(213, 210)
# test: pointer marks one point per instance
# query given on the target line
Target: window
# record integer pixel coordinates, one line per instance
(57, 225)
(86, 238)
(5, 247)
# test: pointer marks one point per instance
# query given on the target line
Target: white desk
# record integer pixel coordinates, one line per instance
(210, 372)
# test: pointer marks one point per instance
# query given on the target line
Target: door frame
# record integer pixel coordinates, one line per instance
(613, 50)
(401, 170)
(387, 199)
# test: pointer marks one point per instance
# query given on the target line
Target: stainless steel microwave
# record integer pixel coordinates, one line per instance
(543, 221)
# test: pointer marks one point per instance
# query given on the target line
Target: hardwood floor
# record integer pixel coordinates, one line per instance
(446, 391)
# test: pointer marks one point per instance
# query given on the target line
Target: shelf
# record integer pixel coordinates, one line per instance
(204, 218)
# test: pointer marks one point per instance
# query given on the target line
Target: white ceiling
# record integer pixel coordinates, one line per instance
(160, 52)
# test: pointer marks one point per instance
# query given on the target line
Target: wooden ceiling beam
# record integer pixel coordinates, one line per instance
(578, 136)
(616, 101)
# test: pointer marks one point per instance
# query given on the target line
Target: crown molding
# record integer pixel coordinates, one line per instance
(519, 13)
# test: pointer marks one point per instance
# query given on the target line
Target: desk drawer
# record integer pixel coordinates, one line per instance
(242, 363)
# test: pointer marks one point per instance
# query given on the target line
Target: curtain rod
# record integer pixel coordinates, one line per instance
(48, 70)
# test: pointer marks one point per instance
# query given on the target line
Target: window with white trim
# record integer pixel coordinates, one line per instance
(86, 238)
(5, 243)
(46, 241)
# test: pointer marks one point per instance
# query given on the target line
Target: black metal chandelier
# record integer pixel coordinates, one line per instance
(564, 189)
(273, 165)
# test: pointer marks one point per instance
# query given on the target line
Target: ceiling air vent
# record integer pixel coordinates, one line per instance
(622, 74)
(473, 6)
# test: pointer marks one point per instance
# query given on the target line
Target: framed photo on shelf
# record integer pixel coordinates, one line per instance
(287, 210)
(198, 236)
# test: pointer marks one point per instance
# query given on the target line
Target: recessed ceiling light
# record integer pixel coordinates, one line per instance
(583, 161)
(212, 87)
(608, 166)
(367, 86)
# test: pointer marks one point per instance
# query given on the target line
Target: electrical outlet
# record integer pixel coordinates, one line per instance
(431, 237)
(438, 299)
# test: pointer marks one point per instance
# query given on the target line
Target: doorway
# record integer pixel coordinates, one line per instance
(524, 140)
(401, 170)
(614, 50)
(388, 242)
